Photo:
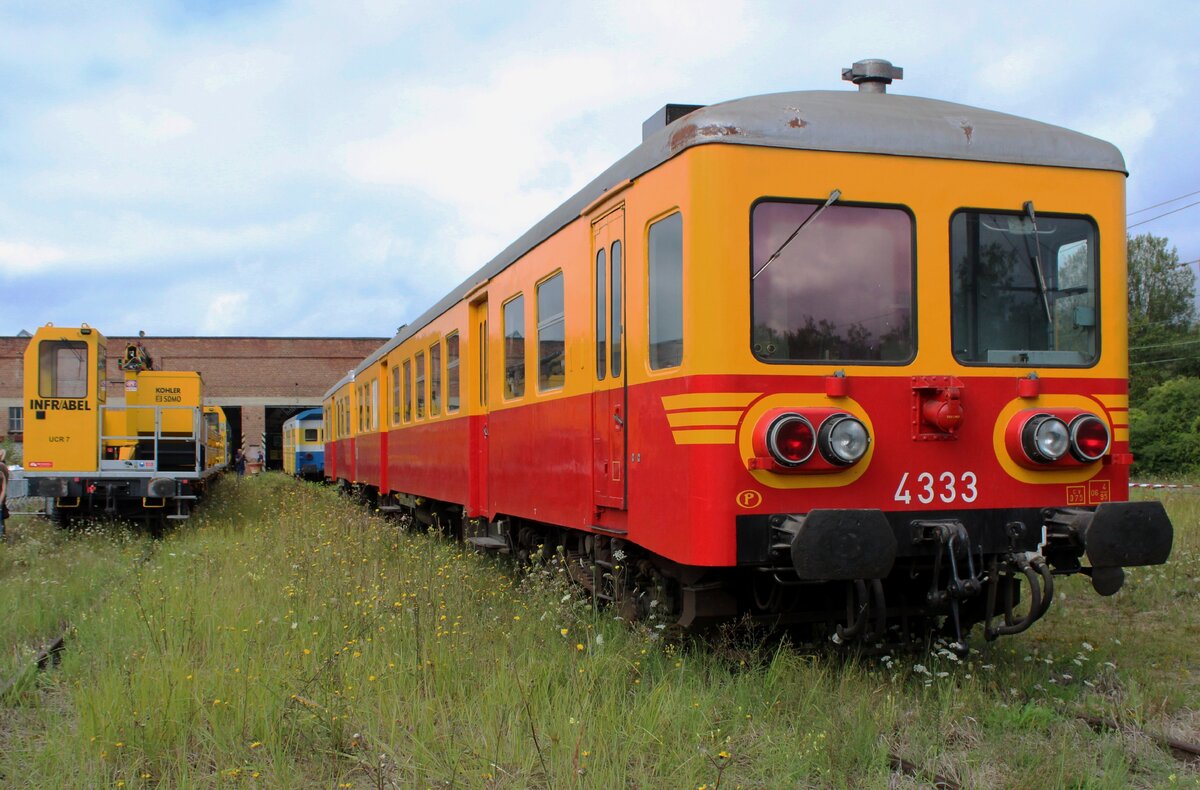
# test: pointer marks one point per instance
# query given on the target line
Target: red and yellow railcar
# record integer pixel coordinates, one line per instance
(851, 359)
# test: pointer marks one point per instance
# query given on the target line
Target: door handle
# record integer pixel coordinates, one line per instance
(617, 417)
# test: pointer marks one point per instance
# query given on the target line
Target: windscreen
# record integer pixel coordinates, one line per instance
(831, 283)
(1023, 289)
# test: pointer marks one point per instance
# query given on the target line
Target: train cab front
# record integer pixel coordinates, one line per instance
(970, 547)
(954, 566)
(933, 429)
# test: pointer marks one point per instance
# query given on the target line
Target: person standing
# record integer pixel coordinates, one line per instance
(239, 463)
(4, 475)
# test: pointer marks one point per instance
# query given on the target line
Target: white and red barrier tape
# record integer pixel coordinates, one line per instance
(1164, 485)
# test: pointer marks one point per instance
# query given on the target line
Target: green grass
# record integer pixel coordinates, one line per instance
(286, 638)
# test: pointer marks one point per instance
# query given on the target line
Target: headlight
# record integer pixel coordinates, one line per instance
(1045, 439)
(843, 439)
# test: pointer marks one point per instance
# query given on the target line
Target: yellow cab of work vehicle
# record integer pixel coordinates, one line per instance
(148, 457)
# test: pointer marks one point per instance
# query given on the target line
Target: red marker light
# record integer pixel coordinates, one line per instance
(791, 440)
(1089, 438)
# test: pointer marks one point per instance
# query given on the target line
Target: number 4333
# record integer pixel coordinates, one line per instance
(946, 487)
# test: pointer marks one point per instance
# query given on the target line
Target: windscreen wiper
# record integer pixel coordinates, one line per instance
(833, 198)
(1038, 271)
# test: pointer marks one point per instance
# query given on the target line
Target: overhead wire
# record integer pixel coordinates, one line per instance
(1164, 214)
(1165, 202)
(1175, 344)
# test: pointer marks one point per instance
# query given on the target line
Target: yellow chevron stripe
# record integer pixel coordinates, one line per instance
(688, 419)
(1120, 434)
(1113, 401)
(703, 436)
(708, 400)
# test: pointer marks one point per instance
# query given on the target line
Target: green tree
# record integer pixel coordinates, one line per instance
(1163, 339)
(1164, 429)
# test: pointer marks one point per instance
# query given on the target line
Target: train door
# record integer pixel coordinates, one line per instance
(382, 411)
(478, 400)
(608, 393)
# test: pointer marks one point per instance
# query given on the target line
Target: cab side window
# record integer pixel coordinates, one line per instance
(666, 292)
(62, 369)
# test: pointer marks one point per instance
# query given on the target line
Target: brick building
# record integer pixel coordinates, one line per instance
(258, 381)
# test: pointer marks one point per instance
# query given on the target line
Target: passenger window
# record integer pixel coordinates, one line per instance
(452, 372)
(435, 379)
(395, 396)
(420, 394)
(666, 293)
(514, 347)
(373, 413)
(408, 390)
(552, 368)
(617, 321)
(601, 318)
(62, 369)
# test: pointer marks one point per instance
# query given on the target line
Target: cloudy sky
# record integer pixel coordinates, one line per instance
(312, 167)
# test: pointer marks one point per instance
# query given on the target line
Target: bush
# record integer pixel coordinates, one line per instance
(1164, 430)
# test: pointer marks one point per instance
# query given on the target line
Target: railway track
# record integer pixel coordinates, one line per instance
(1183, 751)
(50, 654)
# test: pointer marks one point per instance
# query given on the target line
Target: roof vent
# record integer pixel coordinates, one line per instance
(872, 76)
(666, 116)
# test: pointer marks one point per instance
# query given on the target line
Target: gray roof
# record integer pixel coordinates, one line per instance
(846, 121)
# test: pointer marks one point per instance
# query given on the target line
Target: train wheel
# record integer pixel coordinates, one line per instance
(65, 518)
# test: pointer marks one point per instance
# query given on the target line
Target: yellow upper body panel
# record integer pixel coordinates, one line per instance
(69, 418)
(64, 389)
(728, 180)
(714, 189)
(174, 395)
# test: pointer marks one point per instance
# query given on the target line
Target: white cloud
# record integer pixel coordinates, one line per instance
(491, 149)
(401, 146)
(18, 258)
(225, 310)
(1021, 68)
(155, 125)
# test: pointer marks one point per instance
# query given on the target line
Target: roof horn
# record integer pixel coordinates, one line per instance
(872, 76)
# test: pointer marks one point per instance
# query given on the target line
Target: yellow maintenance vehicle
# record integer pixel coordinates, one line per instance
(147, 458)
